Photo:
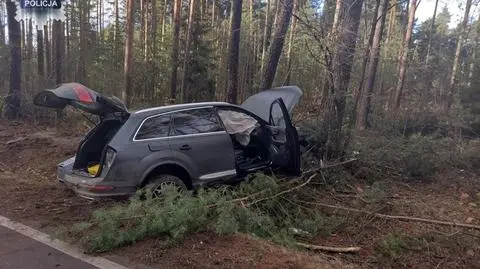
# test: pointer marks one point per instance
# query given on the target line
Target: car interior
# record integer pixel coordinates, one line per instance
(251, 140)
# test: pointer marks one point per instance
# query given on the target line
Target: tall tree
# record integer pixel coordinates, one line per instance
(277, 44)
(127, 68)
(432, 32)
(48, 52)
(232, 88)
(2, 25)
(177, 8)
(59, 50)
(349, 14)
(13, 99)
(366, 91)
(266, 35)
(402, 67)
(290, 42)
(40, 58)
(188, 49)
(456, 61)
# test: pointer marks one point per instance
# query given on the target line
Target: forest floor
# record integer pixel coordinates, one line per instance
(30, 194)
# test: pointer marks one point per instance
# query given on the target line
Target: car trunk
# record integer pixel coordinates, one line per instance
(92, 148)
(111, 111)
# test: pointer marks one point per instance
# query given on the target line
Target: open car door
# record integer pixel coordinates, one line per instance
(81, 97)
(284, 138)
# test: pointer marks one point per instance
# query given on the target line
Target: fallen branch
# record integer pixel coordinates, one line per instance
(396, 217)
(329, 249)
(283, 192)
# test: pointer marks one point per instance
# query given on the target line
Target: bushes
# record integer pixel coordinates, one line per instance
(415, 156)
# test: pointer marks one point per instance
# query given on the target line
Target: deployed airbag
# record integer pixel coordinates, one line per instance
(239, 124)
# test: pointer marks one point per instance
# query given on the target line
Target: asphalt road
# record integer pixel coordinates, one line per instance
(20, 252)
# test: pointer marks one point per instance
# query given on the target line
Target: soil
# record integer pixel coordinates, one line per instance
(30, 194)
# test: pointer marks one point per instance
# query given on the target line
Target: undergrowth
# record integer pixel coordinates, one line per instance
(177, 215)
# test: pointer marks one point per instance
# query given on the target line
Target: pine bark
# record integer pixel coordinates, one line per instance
(366, 92)
(128, 59)
(13, 99)
(175, 43)
(402, 68)
(277, 44)
(234, 52)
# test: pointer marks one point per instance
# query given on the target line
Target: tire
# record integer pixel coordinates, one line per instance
(158, 182)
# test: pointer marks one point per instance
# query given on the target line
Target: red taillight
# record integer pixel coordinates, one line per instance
(96, 187)
(83, 95)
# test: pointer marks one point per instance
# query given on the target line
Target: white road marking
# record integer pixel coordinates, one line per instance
(68, 249)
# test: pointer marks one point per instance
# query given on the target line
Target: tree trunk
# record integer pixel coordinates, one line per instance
(58, 34)
(266, 35)
(116, 36)
(176, 32)
(366, 58)
(367, 90)
(2, 23)
(152, 70)
(402, 68)
(277, 44)
(290, 43)
(453, 79)
(186, 60)
(127, 68)
(40, 59)
(234, 52)
(82, 72)
(48, 52)
(348, 24)
(13, 99)
(432, 32)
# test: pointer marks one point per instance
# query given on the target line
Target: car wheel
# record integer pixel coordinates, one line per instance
(158, 184)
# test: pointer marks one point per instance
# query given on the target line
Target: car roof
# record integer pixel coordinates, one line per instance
(170, 108)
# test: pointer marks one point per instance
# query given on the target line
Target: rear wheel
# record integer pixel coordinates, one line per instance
(159, 183)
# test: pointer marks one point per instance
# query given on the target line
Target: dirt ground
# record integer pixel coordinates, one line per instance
(29, 194)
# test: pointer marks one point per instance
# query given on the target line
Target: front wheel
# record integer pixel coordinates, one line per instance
(158, 184)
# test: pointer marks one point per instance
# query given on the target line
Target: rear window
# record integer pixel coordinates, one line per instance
(195, 121)
(154, 127)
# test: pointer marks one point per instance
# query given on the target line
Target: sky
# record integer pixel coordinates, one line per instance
(456, 7)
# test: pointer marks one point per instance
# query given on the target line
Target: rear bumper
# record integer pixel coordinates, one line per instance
(94, 188)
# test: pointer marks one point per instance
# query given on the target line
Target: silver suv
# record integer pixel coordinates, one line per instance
(187, 145)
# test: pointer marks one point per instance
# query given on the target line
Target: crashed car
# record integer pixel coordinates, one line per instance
(186, 145)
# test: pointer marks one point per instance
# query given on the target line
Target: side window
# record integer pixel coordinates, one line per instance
(154, 127)
(195, 121)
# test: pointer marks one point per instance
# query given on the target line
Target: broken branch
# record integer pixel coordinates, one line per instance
(397, 217)
(329, 249)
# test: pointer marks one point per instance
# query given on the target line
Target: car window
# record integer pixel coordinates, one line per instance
(195, 121)
(155, 127)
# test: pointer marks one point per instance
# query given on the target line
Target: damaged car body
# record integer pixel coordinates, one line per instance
(186, 145)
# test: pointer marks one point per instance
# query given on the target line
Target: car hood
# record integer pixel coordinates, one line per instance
(260, 103)
(81, 97)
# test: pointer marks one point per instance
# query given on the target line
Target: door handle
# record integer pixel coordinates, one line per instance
(185, 147)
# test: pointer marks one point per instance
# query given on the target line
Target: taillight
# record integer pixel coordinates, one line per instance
(109, 158)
